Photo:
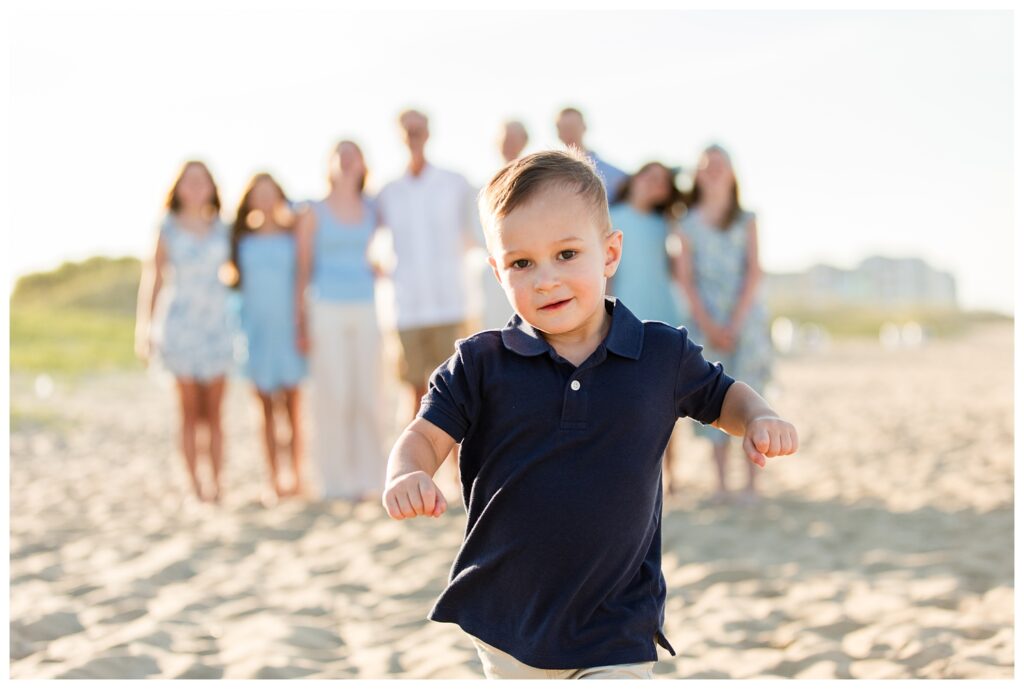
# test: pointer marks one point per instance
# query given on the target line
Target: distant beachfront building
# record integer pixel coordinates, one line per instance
(877, 281)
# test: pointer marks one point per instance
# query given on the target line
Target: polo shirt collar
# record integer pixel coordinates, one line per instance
(625, 336)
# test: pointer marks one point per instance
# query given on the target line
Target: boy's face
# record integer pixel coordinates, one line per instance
(553, 260)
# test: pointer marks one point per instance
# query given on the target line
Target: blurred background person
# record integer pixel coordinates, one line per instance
(338, 328)
(571, 128)
(191, 336)
(431, 213)
(645, 210)
(263, 255)
(495, 310)
(513, 140)
(720, 274)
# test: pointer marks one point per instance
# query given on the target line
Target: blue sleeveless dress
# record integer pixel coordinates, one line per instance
(719, 266)
(268, 267)
(643, 280)
(196, 339)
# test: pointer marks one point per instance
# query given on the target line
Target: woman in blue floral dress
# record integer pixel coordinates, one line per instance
(720, 275)
(190, 334)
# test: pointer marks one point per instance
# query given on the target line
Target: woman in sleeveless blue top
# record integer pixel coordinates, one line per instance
(721, 277)
(338, 319)
(263, 254)
(190, 335)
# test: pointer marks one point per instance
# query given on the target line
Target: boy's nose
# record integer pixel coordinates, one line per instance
(546, 280)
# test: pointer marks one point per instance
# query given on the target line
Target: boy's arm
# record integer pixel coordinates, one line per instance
(745, 414)
(409, 487)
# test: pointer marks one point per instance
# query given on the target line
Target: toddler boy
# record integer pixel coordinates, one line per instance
(563, 417)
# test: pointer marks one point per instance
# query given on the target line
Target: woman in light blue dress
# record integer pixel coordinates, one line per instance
(190, 334)
(264, 256)
(720, 274)
(644, 211)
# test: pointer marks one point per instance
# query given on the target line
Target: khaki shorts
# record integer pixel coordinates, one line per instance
(424, 349)
(500, 665)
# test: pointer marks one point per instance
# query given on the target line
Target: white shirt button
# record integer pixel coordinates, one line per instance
(575, 385)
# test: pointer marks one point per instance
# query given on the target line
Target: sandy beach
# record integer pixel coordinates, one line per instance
(884, 549)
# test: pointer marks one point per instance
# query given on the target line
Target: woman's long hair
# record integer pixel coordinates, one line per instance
(173, 203)
(695, 195)
(244, 222)
(670, 207)
(336, 152)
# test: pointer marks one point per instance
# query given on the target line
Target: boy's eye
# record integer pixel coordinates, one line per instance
(567, 254)
(520, 263)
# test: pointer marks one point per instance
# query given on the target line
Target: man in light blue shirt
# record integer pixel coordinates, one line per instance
(571, 128)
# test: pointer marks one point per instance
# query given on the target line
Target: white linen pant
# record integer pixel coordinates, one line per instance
(500, 665)
(344, 364)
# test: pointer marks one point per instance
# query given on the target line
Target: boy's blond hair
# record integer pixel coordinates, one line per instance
(523, 179)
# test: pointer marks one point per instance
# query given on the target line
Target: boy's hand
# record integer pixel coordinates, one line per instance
(413, 494)
(769, 436)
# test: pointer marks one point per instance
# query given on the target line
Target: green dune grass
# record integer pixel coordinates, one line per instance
(71, 340)
(75, 319)
(866, 322)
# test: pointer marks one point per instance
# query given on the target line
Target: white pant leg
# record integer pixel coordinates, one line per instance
(369, 464)
(629, 671)
(500, 665)
(329, 362)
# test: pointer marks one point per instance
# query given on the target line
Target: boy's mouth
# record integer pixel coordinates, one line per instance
(555, 305)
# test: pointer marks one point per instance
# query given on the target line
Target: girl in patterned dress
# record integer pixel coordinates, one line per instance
(191, 337)
(264, 260)
(720, 276)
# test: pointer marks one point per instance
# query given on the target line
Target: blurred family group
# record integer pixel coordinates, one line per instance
(307, 281)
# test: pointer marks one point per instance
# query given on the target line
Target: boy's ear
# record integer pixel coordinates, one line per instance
(612, 252)
(494, 269)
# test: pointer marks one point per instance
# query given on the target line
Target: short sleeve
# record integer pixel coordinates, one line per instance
(452, 399)
(700, 384)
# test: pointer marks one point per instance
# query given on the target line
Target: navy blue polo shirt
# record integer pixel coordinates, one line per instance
(561, 475)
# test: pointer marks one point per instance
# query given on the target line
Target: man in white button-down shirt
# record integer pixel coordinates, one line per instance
(431, 214)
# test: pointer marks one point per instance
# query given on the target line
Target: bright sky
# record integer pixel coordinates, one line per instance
(853, 133)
